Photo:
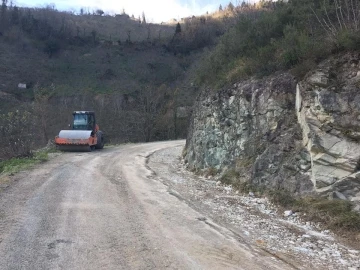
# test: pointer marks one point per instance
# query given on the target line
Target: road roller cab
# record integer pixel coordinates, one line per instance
(85, 134)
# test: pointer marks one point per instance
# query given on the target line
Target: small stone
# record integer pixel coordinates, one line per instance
(336, 253)
(251, 194)
(288, 213)
(261, 201)
(343, 262)
(339, 195)
(353, 256)
(305, 167)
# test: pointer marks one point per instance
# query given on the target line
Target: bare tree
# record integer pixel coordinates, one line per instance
(17, 133)
(148, 32)
(41, 107)
(149, 107)
(128, 40)
(338, 16)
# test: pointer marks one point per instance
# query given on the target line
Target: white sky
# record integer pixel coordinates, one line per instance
(155, 10)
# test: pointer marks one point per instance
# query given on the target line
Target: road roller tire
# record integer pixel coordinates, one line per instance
(101, 141)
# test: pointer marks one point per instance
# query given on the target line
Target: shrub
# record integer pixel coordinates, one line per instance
(16, 131)
(285, 36)
(335, 214)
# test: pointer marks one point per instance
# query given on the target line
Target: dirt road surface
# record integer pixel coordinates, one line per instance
(115, 209)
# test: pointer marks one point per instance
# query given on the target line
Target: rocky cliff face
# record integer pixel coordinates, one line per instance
(328, 110)
(276, 133)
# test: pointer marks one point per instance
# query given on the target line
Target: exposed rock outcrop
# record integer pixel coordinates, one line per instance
(328, 110)
(276, 133)
(253, 128)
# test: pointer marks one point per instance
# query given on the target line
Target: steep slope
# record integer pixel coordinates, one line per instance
(275, 133)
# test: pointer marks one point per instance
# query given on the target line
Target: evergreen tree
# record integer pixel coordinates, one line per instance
(3, 14)
(230, 6)
(178, 29)
(99, 12)
(15, 17)
(143, 18)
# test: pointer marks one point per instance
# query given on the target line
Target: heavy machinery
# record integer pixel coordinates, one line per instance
(84, 136)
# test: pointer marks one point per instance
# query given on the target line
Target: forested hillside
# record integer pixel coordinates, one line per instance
(280, 114)
(282, 35)
(142, 78)
(135, 75)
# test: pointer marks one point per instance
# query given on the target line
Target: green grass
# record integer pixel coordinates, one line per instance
(15, 165)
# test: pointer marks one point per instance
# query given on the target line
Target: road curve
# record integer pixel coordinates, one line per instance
(103, 210)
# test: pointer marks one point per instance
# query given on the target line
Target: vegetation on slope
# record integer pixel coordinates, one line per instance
(135, 75)
(282, 35)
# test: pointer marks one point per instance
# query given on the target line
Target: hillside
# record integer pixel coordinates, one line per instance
(137, 76)
(267, 96)
(280, 116)
(142, 78)
(282, 35)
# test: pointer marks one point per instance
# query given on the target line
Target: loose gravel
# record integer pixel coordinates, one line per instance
(255, 221)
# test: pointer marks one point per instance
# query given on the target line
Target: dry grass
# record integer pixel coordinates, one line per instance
(335, 215)
(232, 177)
(211, 172)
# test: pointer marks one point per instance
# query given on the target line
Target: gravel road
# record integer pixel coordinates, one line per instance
(129, 207)
(105, 210)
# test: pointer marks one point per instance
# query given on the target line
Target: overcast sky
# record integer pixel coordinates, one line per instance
(155, 10)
